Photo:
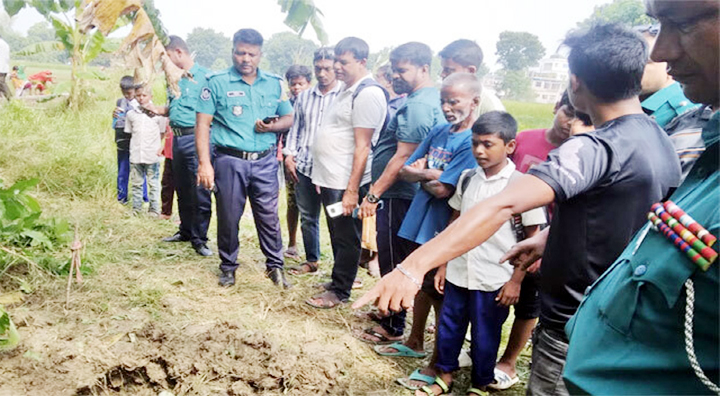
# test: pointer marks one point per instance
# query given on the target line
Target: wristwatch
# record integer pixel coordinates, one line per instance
(372, 198)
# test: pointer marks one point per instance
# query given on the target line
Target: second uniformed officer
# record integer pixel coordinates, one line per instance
(237, 101)
(194, 202)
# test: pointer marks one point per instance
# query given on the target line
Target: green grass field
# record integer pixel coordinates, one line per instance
(134, 281)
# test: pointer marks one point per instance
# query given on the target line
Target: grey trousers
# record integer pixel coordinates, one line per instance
(548, 361)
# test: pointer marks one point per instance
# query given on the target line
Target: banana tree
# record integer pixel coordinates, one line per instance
(300, 14)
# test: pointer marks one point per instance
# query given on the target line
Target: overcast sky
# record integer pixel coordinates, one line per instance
(382, 23)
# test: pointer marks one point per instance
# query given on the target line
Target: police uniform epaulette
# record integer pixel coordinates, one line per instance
(216, 73)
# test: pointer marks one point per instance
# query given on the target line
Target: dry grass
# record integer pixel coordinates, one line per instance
(162, 295)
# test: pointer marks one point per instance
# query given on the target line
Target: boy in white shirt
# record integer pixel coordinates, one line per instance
(147, 130)
(478, 288)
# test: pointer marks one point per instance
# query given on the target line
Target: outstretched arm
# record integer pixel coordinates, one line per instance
(397, 289)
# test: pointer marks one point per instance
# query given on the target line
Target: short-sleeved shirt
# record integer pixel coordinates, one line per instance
(450, 152)
(667, 103)
(532, 148)
(480, 268)
(604, 183)
(235, 106)
(146, 137)
(685, 133)
(488, 102)
(182, 110)
(309, 109)
(411, 124)
(334, 147)
(628, 334)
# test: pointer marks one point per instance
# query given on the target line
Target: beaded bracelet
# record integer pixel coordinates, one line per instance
(409, 275)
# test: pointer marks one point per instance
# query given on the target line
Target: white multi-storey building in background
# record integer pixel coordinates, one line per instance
(549, 78)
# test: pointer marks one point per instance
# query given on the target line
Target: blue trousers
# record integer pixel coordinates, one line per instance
(478, 308)
(194, 202)
(123, 177)
(345, 238)
(308, 202)
(392, 250)
(236, 181)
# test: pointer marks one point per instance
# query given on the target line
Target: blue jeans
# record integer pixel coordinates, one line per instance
(308, 202)
(345, 238)
(123, 177)
(139, 174)
(461, 307)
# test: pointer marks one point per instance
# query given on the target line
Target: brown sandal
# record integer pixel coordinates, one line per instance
(304, 268)
(325, 300)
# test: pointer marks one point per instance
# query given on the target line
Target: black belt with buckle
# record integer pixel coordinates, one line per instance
(182, 131)
(245, 155)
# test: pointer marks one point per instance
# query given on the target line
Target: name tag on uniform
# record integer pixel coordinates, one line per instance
(235, 94)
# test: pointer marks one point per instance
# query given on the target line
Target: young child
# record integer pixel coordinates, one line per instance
(122, 140)
(147, 130)
(478, 288)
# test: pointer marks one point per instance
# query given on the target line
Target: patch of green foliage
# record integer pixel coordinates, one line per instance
(20, 222)
(530, 115)
(9, 336)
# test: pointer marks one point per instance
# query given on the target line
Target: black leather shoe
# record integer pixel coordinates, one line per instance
(227, 278)
(203, 250)
(176, 238)
(277, 276)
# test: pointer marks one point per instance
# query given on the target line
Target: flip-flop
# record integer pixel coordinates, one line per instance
(383, 339)
(370, 315)
(401, 350)
(415, 376)
(304, 268)
(503, 380)
(445, 389)
(327, 299)
(477, 391)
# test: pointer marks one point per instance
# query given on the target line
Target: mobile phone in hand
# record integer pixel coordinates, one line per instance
(270, 119)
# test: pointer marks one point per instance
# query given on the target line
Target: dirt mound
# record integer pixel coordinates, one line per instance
(212, 359)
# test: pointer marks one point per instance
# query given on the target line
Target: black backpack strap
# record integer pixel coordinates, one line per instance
(466, 180)
(369, 82)
(516, 220)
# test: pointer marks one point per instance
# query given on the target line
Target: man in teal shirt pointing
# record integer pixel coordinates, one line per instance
(246, 109)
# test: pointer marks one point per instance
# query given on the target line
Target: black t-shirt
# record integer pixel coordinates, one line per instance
(604, 183)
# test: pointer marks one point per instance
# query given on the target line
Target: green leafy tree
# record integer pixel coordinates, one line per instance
(282, 50)
(39, 32)
(516, 85)
(519, 50)
(209, 46)
(625, 12)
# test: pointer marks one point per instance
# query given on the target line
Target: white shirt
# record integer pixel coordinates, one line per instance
(480, 268)
(146, 136)
(334, 146)
(4, 57)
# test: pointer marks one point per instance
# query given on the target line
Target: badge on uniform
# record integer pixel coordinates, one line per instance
(237, 110)
(205, 95)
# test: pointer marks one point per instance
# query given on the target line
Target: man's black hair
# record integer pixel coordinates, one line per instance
(418, 54)
(175, 42)
(127, 82)
(385, 71)
(296, 71)
(357, 47)
(323, 53)
(565, 101)
(609, 60)
(498, 123)
(248, 36)
(463, 52)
